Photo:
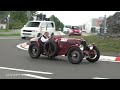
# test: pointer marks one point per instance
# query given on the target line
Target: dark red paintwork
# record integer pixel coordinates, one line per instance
(64, 44)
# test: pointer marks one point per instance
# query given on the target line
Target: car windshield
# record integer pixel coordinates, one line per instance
(33, 24)
(67, 26)
(59, 33)
(75, 27)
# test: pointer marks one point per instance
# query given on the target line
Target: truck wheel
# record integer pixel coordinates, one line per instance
(23, 37)
(34, 50)
(75, 55)
(95, 56)
(50, 48)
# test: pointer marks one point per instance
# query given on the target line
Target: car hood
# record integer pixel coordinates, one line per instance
(69, 40)
(30, 28)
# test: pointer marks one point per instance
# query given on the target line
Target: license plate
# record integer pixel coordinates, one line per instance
(76, 33)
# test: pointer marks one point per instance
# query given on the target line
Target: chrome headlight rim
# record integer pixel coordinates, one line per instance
(91, 46)
(81, 47)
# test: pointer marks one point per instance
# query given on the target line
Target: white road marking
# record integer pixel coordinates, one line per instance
(18, 46)
(28, 75)
(23, 70)
(35, 76)
(99, 78)
(109, 60)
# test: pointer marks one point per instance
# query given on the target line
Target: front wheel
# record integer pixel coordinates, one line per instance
(34, 50)
(75, 55)
(94, 55)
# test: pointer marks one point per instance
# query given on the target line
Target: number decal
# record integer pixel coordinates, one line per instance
(64, 39)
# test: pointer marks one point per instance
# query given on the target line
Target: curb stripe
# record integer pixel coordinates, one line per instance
(117, 59)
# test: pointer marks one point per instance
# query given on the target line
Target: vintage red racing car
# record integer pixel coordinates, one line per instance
(74, 49)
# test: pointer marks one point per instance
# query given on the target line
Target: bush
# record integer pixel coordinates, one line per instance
(16, 25)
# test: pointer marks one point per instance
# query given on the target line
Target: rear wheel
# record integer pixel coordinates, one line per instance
(34, 50)
(75, 55)
(95, 55)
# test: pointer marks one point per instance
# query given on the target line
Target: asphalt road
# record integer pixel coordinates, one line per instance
(16, 64)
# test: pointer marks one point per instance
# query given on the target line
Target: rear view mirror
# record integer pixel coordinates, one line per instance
(24, 25)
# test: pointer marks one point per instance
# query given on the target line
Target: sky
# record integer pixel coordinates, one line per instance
(77, 17)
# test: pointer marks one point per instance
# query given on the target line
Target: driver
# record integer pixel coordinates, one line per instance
(45, 37)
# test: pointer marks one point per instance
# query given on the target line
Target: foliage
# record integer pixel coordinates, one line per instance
(58, 23)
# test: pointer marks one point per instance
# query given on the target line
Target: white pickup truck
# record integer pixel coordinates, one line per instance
(36, 28)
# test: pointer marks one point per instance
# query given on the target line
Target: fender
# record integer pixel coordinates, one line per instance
(71, 47)
(36, 40)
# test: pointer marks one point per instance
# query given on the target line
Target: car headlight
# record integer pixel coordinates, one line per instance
(81, 47)
(91, 47)
(71, 31)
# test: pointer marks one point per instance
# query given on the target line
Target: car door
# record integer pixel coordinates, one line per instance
(50, 26)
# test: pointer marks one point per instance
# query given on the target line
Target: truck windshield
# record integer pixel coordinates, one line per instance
(33, 24)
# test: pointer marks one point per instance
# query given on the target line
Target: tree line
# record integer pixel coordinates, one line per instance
(19, 18)
(113, 24)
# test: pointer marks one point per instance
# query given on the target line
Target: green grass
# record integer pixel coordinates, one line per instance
(105, 44)
(5, 30)
(10, 34)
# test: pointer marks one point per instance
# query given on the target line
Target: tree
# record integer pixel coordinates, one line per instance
(58, 23)
(17, 18)
(113, 23)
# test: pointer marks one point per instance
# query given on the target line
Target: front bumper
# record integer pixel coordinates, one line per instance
(24, 34)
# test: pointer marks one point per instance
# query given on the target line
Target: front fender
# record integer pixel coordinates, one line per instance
(36, 40)
(71, 47)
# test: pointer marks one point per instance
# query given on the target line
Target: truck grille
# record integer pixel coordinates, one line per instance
(27, 31)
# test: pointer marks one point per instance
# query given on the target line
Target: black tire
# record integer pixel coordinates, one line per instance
(79, 55)
(35, 54)
(92, 59)
(38, 34)
(23, 37)
(50, 48)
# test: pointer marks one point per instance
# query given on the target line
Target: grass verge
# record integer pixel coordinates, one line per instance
(10, 34)
(105, 44)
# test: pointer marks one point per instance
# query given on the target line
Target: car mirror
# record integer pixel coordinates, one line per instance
(24, 25)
